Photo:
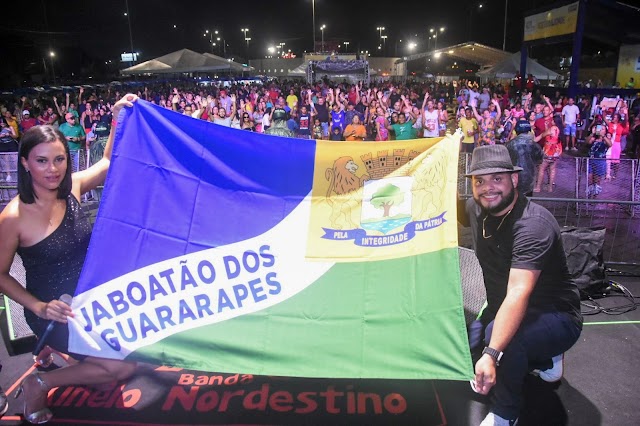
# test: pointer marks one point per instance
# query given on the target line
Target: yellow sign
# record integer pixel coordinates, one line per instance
(629, 66)
(552, 23)
(383, 200)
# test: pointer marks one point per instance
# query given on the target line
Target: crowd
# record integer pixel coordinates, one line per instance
(488, 114)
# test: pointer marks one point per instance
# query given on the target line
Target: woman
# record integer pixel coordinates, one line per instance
(258, 114)
(552, 150)
(443, 118)
(599, 144)
(617, 128)
(247, 122)
(8, 137)
(45, 225)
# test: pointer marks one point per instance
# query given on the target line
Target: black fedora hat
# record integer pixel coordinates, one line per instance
(490, 159)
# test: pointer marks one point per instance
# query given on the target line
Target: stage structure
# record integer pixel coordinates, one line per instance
(337, 68)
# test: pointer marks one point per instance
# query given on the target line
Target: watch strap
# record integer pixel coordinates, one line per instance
(493, 353)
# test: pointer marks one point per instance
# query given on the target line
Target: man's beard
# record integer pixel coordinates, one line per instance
(506, 200)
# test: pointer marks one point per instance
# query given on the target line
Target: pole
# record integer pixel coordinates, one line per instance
(313, 4)
(504, 32)
(130, 33)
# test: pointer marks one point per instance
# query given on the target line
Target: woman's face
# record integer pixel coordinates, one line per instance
(47, 165)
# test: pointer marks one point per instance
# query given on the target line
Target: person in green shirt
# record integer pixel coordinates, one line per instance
(404, 129)
(631, 83)
(73, 132)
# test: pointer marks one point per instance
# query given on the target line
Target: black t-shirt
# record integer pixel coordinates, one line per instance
(323, 112)
(529, 238)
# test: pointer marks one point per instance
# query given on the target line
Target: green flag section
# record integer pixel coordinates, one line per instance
(398, 318)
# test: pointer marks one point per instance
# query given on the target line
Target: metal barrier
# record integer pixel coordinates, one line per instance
(575, 200)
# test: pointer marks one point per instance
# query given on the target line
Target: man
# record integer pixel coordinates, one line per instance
(27, 121)
(526, 154)
(570, 115)
(533, 307)
(484, 99)
(469, 127)
(73, 132)
(542, 124)
(403, 129)
(279, 124)
(322, 113)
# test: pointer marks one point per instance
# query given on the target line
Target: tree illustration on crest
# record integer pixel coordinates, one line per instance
(387, 197)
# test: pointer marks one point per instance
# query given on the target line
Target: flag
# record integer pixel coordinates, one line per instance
(225, 250)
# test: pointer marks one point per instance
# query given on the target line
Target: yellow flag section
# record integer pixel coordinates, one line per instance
(383, 200)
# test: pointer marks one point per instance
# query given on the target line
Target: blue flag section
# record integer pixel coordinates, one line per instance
(184, 185)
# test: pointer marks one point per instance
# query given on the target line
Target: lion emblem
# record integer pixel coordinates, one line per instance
(344, 183)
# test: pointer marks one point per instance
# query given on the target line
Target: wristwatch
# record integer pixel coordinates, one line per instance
(493, 353)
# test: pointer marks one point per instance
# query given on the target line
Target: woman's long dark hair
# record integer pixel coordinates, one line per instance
(32, 138)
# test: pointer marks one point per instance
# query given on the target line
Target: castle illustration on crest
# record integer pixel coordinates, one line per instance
(384, 164)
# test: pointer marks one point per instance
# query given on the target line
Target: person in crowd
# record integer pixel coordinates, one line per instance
(617, 128)
(443, 118)
(278, 126)
(469, 127)
(585, 110)
(8, 137)
(304, 121)
(403, 130)
(355, 131)
(45, 225)
(247, 122)
(570, 115)
(486, 124)
(316, 130)
(633, 138)
(73, 132)
(599, 143)
(543, 124)
(526, 154)
(12, 122)
(336, 134)
(431, 118)
(27, 121)
(552, 149)
(533, 314)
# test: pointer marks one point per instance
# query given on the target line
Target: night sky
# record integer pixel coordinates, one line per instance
(86, 34)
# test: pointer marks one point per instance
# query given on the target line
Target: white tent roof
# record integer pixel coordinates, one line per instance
(508, 68)
(227, 63)
(184, 60)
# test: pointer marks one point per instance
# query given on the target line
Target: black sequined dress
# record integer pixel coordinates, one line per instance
(53, 268)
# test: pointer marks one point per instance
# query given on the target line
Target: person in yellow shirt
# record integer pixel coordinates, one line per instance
(11, 121)
(292, 99)
(355, 131)
(469, 127)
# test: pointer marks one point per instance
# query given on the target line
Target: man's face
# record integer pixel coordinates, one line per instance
(570, 101)
(546, 111)
(494, 193)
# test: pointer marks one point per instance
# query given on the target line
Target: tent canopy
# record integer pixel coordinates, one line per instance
(508, 68)
(185, 60)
